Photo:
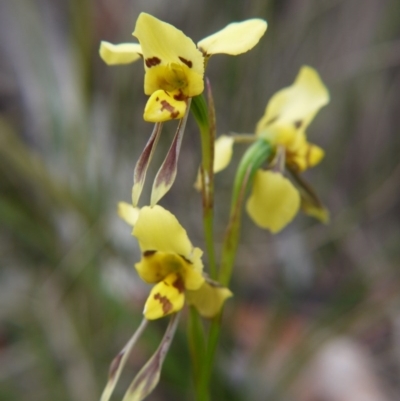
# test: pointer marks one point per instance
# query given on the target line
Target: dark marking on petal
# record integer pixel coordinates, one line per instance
(187, 62)
(165, 302)
(166, 106)
(115, 365)
(186, 260)
(180, 96)
(149, 253)
(205, 55)
(179, 284)
(272, 120)
(151, 62)
(298, 124)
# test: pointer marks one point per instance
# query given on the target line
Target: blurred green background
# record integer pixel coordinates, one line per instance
(316, 309)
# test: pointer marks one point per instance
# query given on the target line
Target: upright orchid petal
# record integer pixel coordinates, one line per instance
(123, 53)
(165, 298)
(209, 298)
(297, 104)
(273, 202)
(235, 38)
(159, 230)
(170, 57)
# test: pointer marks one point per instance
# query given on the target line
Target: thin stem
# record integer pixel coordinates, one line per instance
(205, 119)
(254, 157)
(196, 346)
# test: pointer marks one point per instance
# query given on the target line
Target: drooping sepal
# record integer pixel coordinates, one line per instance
(119, 362)
(147, 379)
(142, 164)
(166, 174)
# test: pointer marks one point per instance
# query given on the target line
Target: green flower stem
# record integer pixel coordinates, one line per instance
(205, 118)
(251, 161)
(254, 157)
(197, 347)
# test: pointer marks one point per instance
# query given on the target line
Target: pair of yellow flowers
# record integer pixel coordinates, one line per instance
(174, 73)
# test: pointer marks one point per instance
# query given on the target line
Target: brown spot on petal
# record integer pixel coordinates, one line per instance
(272, 120)
(179, 285)
(298, 124)
(180, 96)
(186, 260)
(149, 253)
(166, 106)
(165, 302)
(151, 62)
(187, 62)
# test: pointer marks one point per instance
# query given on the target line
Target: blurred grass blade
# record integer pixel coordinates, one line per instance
(119, 362)
(166, 174)
(142, 164)
(147, 379)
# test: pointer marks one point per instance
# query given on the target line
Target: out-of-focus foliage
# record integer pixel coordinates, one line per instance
(71, 129)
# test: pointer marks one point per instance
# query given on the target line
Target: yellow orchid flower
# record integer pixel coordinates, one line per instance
(289, 113)
(170, 261)
(274, 200)
(174, 65)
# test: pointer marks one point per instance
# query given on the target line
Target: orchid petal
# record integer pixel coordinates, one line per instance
(274, 201)
(223, 152)
(159, 230)
(165, 298)
(123, 53)
(128, 213)
(170, 57)
(155, 265)
(235, 38)
(162, 106)
(209, 298)
(297, 104)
